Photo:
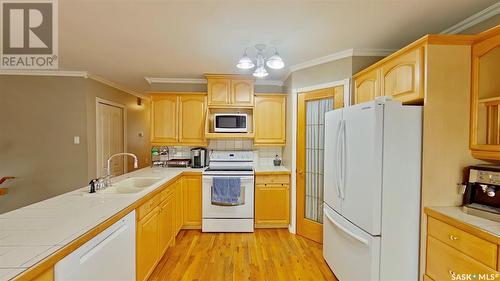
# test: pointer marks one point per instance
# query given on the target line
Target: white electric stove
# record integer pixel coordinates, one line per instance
(233, 218)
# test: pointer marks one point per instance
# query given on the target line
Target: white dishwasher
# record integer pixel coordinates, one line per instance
(108, 256)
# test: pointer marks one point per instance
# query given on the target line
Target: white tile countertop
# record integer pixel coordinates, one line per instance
(271, 169)
(492, 227)
(30, 234)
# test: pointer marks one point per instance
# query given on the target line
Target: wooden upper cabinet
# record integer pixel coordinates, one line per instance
(178, 118)
(164, 125)
(242, 92)
(367, 86)
(402, 76)
(219, 91)
(485, 101)
(230, 90)
(192, 112)
(270, 119)
(338, 97)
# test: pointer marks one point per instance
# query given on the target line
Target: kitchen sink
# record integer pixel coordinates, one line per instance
(130, 185)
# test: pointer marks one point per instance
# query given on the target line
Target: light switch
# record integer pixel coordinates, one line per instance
(76, 139)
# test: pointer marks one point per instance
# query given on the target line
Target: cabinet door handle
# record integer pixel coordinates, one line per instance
(453, 237)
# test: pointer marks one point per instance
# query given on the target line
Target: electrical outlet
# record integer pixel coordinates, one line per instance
(76, 140)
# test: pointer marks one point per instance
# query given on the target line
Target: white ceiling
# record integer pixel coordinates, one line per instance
(124, 41)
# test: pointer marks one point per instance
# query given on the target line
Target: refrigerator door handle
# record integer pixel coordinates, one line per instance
(338, 174)
(345, 230)
(344, 158)
(341, 158)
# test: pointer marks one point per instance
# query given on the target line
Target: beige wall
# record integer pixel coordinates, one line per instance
(137, 122)
(39, 118)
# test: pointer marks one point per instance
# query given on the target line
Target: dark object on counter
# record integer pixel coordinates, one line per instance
(92, 185)
(277, 161)
(178, 163)
(199, 157)
(482, 192)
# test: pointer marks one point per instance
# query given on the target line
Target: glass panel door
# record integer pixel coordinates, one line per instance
(315, 132)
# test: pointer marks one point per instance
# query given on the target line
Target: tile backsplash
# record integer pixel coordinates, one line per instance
(262, 155)
(231, 144)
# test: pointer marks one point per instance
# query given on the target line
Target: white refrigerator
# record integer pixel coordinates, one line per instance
(372, 191)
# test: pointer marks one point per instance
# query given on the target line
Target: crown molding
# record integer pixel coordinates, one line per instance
(372, 52)
(152, 80)
(116, 86)
(60, 73)
(341, 55)
(476, 18)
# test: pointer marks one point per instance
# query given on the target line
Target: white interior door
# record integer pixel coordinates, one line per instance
(332, 161)
(362, 185)
(110, 138)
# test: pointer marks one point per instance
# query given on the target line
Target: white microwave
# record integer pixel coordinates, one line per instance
(230, 123)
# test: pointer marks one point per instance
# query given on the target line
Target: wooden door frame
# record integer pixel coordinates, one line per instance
(294, 100)
(124, 109)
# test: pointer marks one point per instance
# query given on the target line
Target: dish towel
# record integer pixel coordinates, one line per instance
(226, 191)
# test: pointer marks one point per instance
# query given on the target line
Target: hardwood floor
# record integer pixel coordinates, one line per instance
(267, 254)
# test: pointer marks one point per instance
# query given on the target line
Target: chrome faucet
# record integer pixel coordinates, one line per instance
(107, 177)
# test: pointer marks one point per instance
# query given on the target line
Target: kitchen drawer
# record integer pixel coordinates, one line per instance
(477, 248)
(166, 192)
(444, 262)
(272, 179)
(148, 206)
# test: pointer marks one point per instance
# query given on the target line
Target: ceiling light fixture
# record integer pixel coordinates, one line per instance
(273, 62)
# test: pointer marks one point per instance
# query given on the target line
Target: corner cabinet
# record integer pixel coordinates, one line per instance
(230, 90)
(485, 97)
(270, 119)
(178, 118)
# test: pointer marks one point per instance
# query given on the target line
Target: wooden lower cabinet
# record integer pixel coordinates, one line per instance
(191, 186)
(160, 218)
(455, 252)
(166, 224)
(179, 198)
(272, 201)
(147, 249)
(445, 263)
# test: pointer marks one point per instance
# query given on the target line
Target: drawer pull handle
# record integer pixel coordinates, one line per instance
(453, 238)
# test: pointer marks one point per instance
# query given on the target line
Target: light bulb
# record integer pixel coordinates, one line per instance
(275, 62)
(245, 62)
(260, 72)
